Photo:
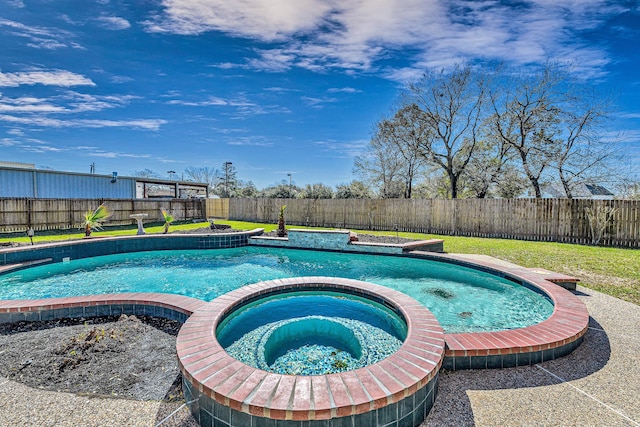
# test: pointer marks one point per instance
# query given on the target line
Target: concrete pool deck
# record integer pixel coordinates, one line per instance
(596, 385)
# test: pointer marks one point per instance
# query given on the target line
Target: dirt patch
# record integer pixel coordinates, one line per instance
(127, 356)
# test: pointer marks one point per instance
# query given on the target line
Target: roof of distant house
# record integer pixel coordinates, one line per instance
(578, 190)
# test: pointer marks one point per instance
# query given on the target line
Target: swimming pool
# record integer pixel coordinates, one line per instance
(461, 298)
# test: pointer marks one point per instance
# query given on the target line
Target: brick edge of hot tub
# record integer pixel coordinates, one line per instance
(399, 390)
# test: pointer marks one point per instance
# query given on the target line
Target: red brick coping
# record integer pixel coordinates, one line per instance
(226, 381)
(171, 306)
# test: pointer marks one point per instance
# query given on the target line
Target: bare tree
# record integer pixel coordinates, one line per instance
(583, 154)
(526, 118)
(554, 122)
(146, 173)
(382, 167)
(353, 190)
(226, 181)
(511, 184)
(201, 174)
(629, 188)
(600, 217)
(489, 168)
(281, 190)
(317, 191)
(405, 131)
(452, 112)
(246, 189)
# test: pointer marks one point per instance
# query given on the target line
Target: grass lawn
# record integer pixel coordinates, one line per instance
(609, 270)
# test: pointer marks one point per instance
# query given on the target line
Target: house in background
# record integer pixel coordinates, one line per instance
(579, 191)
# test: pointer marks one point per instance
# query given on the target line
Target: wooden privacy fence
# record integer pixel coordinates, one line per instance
(52, 214)
(557, 220)
(218, 208)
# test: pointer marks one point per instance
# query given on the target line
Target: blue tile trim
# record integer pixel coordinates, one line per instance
(450, 363)
(93, 311)
(105, 246)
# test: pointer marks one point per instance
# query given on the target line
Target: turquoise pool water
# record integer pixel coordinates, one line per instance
(311, 333)
(462, 299)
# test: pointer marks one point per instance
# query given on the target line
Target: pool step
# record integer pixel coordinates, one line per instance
(20, 265)
(567, 282)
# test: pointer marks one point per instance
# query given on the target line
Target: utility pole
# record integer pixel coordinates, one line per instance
(290, 195)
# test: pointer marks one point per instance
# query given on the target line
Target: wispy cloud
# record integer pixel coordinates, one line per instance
(40, 37)
(114, 23)
(115, 155)
(344, 90)
(227, 65)
(255, 141)
(317, 102)
(31, 145)
(44, 77)
(210, 101)
(42, 121)
(15, 132)
(228, 131)
(68, 102)
(240, 104)
(357, 35)
(27, 105)
(81, 102)
(279, 89)
(343, 149)
(630, 115)
(121, 79)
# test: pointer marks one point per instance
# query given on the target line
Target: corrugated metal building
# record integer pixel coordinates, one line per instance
(47, 184)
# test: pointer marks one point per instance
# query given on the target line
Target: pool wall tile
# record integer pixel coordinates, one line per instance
(548, 354)
(91, 247)
(524, 359)
(510, 360)
(387, 414)
(206, 419)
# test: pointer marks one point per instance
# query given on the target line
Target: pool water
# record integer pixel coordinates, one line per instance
(311, 333)
(462, 299)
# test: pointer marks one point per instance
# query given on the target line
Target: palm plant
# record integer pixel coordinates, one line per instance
(93, 219)
(282, 231)
(168, 219)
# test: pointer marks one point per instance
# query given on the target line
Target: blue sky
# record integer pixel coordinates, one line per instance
(274, 86)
